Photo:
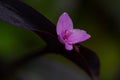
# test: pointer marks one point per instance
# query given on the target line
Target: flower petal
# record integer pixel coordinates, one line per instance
(64, 23)
(68, 47)
(78, 36)
(60, 38)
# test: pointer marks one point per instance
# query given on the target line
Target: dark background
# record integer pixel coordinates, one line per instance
(100, 18)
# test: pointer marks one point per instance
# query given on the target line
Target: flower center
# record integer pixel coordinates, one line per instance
(66, 35)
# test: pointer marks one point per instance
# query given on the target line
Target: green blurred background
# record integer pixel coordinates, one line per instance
(101, 18)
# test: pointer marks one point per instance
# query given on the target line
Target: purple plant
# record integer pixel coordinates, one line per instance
(16, 12)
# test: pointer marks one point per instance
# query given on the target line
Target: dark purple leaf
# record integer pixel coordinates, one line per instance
(86, 59)
(20, 14)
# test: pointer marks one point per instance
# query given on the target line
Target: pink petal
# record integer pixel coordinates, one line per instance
(60, 38)
(78, 36)
(68, 47)
(64, 23)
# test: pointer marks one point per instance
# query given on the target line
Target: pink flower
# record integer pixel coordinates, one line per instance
(67, 35)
